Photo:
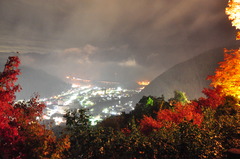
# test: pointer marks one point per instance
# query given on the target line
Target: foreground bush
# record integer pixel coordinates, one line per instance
(204, 128)
(21, 134)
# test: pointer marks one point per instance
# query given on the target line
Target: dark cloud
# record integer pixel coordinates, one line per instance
(112, 39)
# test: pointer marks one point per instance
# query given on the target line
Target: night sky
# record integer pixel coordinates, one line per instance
(115, 40)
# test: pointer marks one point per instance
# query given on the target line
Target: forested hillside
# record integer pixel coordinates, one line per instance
(189, 76)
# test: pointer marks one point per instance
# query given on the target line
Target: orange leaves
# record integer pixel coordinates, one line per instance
(190, 112)
(227, 75)
(126, 131)
(233, 12)
(167, 117)
(181, 113)
(61, 146)
(215, 97)
(148, 124)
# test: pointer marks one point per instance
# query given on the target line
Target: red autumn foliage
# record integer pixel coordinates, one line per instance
(8, 130)
(190, 112)
(21, 135)
(167, 117)
(148, 124)
(214, 98)
(126, 131)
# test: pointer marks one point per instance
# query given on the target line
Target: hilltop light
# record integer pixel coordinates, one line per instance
(143, 83)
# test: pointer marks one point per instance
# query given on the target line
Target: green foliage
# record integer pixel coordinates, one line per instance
(217, 132)
(149, 106)
(149, 102)
(115, 122)
(77, 119)
(179, 96)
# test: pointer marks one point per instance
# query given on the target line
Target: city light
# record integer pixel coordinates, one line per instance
(101, 102)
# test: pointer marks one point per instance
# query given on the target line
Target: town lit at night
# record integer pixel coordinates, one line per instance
(89, 79)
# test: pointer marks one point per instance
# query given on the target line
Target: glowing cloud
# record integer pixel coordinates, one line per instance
(129, 63)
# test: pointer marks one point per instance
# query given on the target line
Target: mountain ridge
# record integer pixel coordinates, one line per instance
(37, 81)
(188, 76)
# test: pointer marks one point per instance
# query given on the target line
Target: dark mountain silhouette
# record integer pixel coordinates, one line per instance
(189, 77)
(37, 81)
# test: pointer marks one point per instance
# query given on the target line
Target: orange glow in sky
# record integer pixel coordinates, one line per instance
(143, 83)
